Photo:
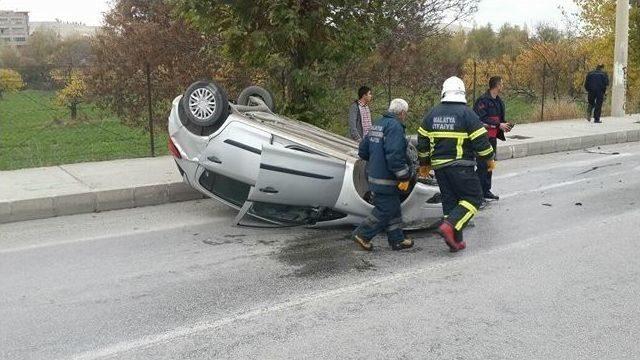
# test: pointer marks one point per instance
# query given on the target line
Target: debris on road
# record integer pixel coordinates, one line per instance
(598, 167)
(602, 152)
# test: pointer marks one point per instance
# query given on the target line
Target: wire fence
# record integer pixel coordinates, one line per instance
(38, 129)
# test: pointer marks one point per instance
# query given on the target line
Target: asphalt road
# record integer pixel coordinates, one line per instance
(551, 271)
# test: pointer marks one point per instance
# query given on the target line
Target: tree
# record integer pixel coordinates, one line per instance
(511, 40)
(143, 33)
(482, 43)
(73, 94)
(36, 58)
(10, 80)
(301, 44)
(72, 54)
(548, 34)
(9, 57)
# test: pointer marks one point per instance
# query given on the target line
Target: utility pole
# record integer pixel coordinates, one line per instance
(620, 57)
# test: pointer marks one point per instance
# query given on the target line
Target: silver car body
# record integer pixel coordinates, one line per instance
(286, 172)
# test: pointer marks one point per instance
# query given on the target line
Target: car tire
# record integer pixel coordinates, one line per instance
(412, 155)
(204, 107)
(257, 91)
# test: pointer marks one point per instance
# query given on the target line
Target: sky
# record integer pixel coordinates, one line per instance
(496, 12)
(521, 12)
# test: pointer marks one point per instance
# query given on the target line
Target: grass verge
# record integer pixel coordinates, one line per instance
(36, 132)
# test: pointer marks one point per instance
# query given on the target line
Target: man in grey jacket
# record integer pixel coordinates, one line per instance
(360, 115)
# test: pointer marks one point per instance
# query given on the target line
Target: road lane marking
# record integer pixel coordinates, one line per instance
(543, 188)
(566, 183)
(113, 234)
(572, 164)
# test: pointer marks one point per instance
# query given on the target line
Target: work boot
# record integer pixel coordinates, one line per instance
(448, 232)
(401, 245)
(364, 244)
(491, 196)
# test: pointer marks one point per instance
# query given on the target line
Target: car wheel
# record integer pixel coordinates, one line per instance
(412, 155)
(259, 92)
(205, 107)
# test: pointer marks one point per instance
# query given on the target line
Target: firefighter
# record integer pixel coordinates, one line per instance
(385, 149)
(450, 137)
(490, 109)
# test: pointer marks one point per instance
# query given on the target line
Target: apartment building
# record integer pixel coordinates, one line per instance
(14, 27)
(63, 29)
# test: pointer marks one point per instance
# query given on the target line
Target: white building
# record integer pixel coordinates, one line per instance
(63, 29)
(14, 27)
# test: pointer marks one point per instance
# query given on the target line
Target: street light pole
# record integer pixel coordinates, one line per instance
(620, 59)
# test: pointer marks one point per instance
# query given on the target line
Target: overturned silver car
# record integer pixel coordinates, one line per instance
(276, 169)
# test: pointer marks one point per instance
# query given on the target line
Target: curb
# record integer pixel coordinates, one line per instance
(96, 201)
(532, 148)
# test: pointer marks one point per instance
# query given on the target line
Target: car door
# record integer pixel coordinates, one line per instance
(294, 177)
(235, 152)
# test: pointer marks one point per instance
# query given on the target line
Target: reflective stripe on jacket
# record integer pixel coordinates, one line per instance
(451, 134)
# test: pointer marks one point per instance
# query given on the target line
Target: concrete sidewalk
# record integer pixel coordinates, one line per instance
(88, 187)
(564, 135)
(109, 185)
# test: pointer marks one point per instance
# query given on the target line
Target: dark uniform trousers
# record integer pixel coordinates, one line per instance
(461, 194)
(386, 216)
(595, 104)
(483, 172)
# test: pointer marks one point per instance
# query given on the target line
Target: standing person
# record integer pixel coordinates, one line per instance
(596, 84)
(360, 115)
(490, 110)
(385, 149)
(450, 137)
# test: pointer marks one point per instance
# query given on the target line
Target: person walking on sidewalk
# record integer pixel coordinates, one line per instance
(450, 137)
(491, 111)
(596, 84)
(385, 149)
(360, 115)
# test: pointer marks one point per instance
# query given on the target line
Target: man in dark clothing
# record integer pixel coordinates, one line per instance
(448, 140)
(490, 110)
(385, 149)
(596, 84)
(360, 115)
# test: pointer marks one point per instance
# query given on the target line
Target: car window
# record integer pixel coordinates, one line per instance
(224, 187)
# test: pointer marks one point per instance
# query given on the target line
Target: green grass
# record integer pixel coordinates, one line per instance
(35, 132)
(520, 110)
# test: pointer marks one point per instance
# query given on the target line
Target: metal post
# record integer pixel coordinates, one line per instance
(475, 80)
(389, 84)
(620, 59)
(151, 139)
(544, 94)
